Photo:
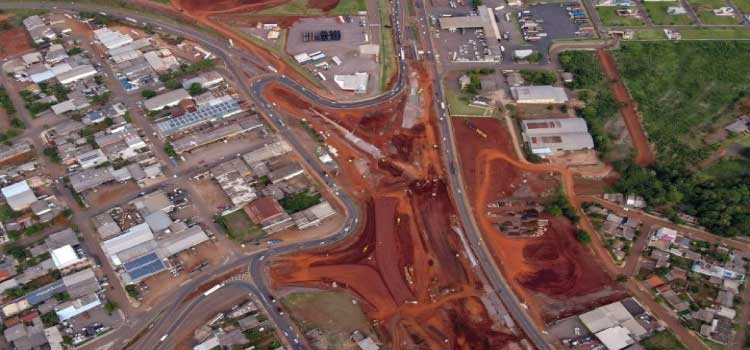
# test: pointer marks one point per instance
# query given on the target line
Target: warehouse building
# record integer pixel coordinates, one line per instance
(615, 325)
(313, 216)
(542, 94)
(73, 308)
(77, 73)
(546, 136)
(203, 115)
(169, 99)
(199, 139)
(112, 39)
(356, 82)
(206, 80)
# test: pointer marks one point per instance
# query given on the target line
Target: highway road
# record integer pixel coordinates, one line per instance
(161, 325)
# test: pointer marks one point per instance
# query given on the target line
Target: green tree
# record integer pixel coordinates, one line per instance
(148, 93)
(582, 236)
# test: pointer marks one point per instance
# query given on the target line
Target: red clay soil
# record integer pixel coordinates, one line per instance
(15, 42)
(645, 155)
(553, 274)
(407, 266)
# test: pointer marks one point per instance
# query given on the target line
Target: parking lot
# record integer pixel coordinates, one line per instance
(354, 32)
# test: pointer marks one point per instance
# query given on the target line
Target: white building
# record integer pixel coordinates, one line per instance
(356, 82)
(112, 39)
(77, 73)
(65, 257)
(91, 159)
(543, 94)
(168, 99)
(19, 195)
(545, 136)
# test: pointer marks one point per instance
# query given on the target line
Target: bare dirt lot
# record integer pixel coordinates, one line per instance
(107, 195)
(553, 273)
(15, 41)
(407, 266)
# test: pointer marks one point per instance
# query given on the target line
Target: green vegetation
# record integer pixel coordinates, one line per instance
(601, 107)
(658, 13)
(19, 16)
(110, 307)
(133, 291)
(538, 76)
(315, 310)
(196, 89)
(186, 69)
(303, 8)
(609, 17)
(299, 201)
(62, 297)
(50, 319)
(557, 204)
(664, 340)
(535, 57)
(582, 236)
(742, 5)
(387, 53)
(685, 94)
(458, 103)
(239, 227)
(169, 150)
(98, 18)
(51, 153)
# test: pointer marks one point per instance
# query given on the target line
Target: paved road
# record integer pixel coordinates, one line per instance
(228, 54)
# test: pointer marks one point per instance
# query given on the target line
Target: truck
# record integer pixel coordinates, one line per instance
(213, 289)
(231, 42)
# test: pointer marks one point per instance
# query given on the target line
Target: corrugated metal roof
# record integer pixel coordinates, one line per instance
(132, 237)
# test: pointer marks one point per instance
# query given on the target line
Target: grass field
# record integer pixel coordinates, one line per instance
(742, 5)
(658, 13)
(696, 34)
(301, 8)
(684, 91)
(387, 53)
(333, 313)
(609, 17)
(664, 340)
(458, 104)
(240, 228)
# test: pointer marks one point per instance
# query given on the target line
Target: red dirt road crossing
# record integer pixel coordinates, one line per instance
(645, 155)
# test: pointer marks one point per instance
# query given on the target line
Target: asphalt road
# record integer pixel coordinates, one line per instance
(228, 54)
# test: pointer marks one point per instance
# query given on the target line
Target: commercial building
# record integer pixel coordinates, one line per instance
(134, 236)
(112, 39)
(203, 115)
(91, 178)
(206, 80)
(485, 20)
(19, 195)
(268, 213)
(81, 283)
(77, 73)
(169, 99)
(313, 216)
(91, 159)
(356, 82)
(65, 257)
(198, 139)
(545, 136)
(275, 148)
(70, 309)
(286, 172)
(615, 324)
(542, 94)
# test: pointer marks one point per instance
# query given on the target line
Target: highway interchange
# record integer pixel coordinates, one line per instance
(169, 317)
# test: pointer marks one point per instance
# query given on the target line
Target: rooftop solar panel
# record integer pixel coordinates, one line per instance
(135, 263)
(146, 270)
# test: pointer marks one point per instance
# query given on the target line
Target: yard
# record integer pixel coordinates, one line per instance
(664, 340)
(303, 8)
(704, 9)
(609, 17)
(658, 13)
(334, 313)
(458, 104)
(239, 227)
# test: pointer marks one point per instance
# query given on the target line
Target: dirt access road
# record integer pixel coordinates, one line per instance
(644, 153)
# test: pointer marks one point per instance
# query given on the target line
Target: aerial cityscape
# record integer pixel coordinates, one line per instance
(374, 174)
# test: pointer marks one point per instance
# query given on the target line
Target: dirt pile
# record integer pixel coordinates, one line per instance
(407, 266)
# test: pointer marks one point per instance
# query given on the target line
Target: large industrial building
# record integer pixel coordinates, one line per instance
(486, 21)
(543, 94)
(545, 136)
